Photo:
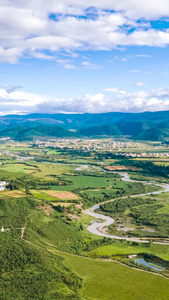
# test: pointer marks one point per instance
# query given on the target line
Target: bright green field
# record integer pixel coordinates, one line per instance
(17, 168)
(164, 199)
(47, 169)
(44, 196)
(92, 193)
(110, 280)
(54, 152)
(91, 182)
(164, 210)
(18, 149)
(161, 251)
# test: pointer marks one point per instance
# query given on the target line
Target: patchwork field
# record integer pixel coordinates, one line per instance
(54, 195)
(43, 210)
(43, 195)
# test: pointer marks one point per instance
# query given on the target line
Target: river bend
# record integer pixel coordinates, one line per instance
(98, 228)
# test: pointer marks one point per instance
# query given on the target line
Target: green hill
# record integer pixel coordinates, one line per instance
(101, 130)
(159, 134)
(22, 133)
(132, 128)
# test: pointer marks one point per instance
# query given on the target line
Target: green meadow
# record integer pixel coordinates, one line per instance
(124, 248)
(91, 182)
(47, 169)
(104, 280)
(18, 167)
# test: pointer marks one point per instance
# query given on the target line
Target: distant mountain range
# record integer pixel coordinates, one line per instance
(138, 126)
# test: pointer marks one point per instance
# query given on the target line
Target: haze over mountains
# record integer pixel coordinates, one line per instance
(152, 126)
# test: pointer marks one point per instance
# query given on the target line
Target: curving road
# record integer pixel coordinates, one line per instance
(98, 228)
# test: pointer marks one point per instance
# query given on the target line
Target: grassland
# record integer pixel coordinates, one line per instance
(91, 182)
(48, 169)
(110, 280)
(18, 167)
(54, 152)
(124, 248)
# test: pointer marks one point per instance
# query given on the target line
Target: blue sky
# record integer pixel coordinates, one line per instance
(92, 56)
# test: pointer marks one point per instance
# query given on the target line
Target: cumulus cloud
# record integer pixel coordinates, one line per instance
(32, 27)
(132, 7)
(16, 101)
(114, 99)
(98, 103)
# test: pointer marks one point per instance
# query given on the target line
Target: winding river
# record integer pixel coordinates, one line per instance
(99, 228)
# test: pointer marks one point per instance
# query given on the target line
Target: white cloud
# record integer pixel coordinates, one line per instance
(12, 100)
(122, 101)
(135, 71)
(124, 59)
(67, 63)
(10, 55)
(69, 66)
(89, 65)
(98, 103)
(26, 29)
(115, 90)
(86, 63)
(142, 8)
(143, 55)
(43, 56)
(140, 83)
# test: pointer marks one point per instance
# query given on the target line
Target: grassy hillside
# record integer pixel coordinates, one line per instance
(26, 270)
(110, 280)
(21, 133)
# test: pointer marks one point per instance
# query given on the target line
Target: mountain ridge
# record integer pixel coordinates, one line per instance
(141, 126)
